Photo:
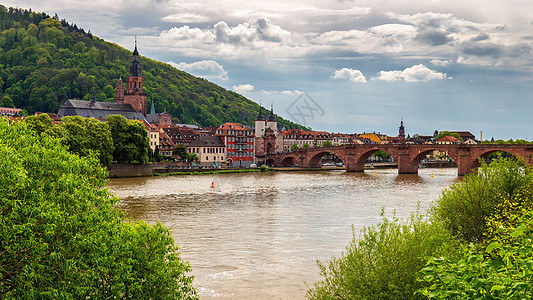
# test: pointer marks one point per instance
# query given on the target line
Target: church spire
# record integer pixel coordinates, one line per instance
(135, 69)
(152, 111)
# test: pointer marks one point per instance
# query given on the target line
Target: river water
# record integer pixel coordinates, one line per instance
(258, 235)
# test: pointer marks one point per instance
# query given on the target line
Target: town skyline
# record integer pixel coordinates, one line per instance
(439, 66)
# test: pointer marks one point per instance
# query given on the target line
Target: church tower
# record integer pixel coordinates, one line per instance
(401, 132)
(134, 91)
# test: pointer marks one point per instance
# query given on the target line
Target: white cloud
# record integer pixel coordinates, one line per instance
(350, 74)
(440, 63)
(292, 93)
(208, 69)
(186, 18)
(412, 74)
(243, 88)
(251, 33)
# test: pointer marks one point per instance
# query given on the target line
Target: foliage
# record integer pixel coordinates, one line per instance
(501, 270)
(192, 157)
(466, 206)
(306, 146)
(384, 263)
(45, 61)
(326, 144)
(181, 151)
(85, 135)
(42, 123)
(130, 139)
(382, 154)
(62, 238)
(264, 168)
(447, 133)
(294, 147)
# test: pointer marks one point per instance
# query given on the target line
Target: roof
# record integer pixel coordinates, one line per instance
(207, 141)
(448, 139)
(234, 126)
(98, 110)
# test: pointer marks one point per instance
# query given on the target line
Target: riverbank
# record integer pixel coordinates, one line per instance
(203, 171)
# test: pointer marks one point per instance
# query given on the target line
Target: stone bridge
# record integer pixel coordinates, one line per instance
(408, 156)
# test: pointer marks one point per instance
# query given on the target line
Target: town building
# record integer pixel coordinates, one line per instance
(304, 137)
(400, 139)
(9, 112)
(210, 150)
(338, 139)
(153, 134)
(239, 141)
(179, 135)
(166, 145)
(448, 140)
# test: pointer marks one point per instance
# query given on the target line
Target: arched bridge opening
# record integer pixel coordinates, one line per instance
(370, 156)
(289, 161)
(325, 158)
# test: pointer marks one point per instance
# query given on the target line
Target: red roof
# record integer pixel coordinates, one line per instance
(448, 139)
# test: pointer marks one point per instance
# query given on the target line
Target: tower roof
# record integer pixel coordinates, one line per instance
(135, 69)
(260, 116)
(272, 117)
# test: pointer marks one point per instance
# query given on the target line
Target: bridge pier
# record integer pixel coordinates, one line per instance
(405, 165)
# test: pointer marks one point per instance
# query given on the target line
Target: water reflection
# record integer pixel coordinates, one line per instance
(258, 235)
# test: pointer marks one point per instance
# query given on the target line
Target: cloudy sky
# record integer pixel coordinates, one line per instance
(341, 66)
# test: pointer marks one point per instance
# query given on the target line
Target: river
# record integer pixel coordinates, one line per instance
(258, 235)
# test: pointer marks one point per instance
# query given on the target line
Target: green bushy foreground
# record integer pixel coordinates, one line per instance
(61, 236)
(476, 243)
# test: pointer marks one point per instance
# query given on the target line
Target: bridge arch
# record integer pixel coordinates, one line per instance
(363, 157)
(316, 160)
(289, 161)
(423, 153)
(476, 161)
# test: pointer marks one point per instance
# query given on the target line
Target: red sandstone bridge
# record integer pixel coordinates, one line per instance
(408, 156)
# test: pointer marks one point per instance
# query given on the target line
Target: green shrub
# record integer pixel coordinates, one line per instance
(384, 263)
(62, 238)
(466, 206)
(501, 270)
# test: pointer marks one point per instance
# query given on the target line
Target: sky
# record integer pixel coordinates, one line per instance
(341, 66)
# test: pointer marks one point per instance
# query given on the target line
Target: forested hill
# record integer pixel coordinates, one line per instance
(44, 61)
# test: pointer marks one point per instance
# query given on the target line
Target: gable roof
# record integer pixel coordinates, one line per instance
(207, 141)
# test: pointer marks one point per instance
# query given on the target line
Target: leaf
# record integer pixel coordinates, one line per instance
(497, 263)
(492, 246)
(519, 231)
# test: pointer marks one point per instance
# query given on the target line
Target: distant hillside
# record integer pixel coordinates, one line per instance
(45, 61)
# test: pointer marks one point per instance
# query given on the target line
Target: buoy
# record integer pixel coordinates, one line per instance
(431, 175)
(390, 169)
(441, 170)
(374, 173)
(212, 185)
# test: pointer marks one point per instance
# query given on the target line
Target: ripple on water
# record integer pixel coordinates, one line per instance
(258, 235)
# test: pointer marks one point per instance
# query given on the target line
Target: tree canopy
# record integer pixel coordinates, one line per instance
(61, 236)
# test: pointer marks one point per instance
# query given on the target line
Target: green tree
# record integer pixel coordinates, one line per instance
(180, 150)
(61, 236)
(447, 133)
(192, 157)
(42, 123)
(306, 146)
(86, 135)
(384, 262)
(466, 206)
(294, 147)
(130, 139)
(326, 144)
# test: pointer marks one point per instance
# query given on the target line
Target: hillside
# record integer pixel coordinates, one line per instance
(44, 61)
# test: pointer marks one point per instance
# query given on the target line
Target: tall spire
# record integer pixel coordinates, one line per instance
(135, 69)
(272, 117)
(260, 116)
(152, 111)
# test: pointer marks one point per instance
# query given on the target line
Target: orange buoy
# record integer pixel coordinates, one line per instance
(212, 185)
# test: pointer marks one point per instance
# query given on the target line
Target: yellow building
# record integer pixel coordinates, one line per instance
(210, 150)
(375, 137)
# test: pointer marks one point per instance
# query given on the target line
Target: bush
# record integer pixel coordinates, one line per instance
(466, 206)
(501, 270)
(62, 238)
(384, 263)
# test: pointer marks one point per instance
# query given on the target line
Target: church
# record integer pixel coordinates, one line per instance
(129, 103)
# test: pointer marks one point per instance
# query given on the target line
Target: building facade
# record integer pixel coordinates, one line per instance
(210, 150)
(239, 141)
